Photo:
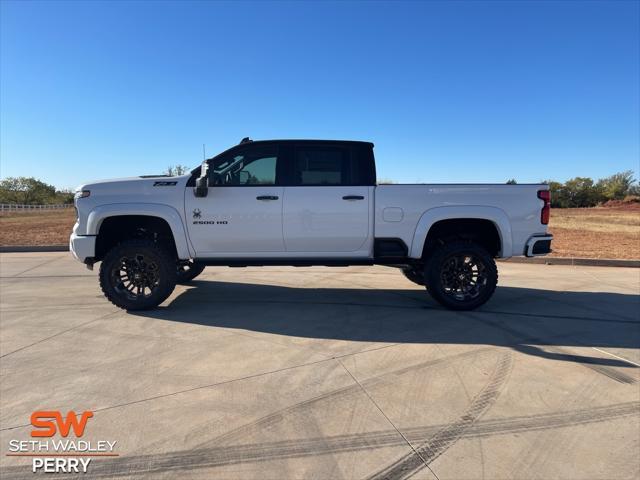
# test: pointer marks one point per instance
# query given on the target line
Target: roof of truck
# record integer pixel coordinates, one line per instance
(247, 141)
(300, 140)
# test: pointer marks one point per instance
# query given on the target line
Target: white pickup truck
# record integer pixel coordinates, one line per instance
(302, 203)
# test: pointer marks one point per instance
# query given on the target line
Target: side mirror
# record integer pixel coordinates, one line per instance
(202, 182)
(202, 187)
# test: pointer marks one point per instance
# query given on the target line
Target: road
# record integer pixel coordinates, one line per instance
(329, 373)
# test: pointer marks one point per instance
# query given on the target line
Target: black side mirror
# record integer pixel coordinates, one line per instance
(202, 182)
(202, 188)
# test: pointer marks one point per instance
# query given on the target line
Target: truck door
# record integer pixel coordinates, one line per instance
(241, 216)
(326, 212)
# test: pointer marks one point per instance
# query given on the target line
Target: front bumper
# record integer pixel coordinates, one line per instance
(82, 247)
(538, 246)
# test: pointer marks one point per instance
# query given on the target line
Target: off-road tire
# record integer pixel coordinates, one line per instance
(439, 276)
(141, 251)
(188, 271)
(414, 275)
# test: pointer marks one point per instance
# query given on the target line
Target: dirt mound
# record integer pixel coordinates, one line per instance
(629, 203)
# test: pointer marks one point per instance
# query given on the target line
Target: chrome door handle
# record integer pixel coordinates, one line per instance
(353, 197)
(267, 197)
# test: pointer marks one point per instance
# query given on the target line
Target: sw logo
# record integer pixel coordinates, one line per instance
(60, 455)
(197, 213)
(44, 427)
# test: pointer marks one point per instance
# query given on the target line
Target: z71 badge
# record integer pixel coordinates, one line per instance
(165, 183)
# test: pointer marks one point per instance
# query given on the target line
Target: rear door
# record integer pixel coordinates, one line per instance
(326, 210)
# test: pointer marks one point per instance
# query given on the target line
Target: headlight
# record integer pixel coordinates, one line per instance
(82, 194)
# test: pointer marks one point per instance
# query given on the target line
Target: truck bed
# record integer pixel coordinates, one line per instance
(400, 209)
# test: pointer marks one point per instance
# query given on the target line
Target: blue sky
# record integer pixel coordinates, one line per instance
(448, 91)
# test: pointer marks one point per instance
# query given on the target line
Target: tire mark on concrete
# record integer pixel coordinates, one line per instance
(185, 460)
(272, 419)
(522, 339)
(559, 317)
(410, 464)
(268, 421)
(532, 459)
(560, 353)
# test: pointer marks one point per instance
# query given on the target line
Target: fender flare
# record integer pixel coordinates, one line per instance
(165, 212)
(495, 215)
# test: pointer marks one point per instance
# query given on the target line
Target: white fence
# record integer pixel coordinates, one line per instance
(18, 208)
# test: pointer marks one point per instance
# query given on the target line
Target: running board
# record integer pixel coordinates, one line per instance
(284, 262)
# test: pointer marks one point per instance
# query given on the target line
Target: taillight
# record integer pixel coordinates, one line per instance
(546, 209)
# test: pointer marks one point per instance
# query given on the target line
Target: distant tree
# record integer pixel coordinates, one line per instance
(582, 192)
(512, 181)
(26, 190)
(174, 171)
(385, 181)
(618, 186)
(64, 196)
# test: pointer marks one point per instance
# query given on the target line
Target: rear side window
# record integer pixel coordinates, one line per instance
(322, 166)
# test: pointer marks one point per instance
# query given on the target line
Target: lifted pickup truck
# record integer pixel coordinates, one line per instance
(302, 203)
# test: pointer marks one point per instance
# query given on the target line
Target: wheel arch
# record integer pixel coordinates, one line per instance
(435, 216)
(166, 214)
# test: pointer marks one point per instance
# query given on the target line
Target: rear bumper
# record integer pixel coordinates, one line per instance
(82, 246)
(538, 246)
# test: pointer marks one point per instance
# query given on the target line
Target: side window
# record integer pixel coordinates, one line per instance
(322, 166)
(252, 166)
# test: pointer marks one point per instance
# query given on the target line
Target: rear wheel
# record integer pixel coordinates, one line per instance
(416, 275)
(188, 270)
(137, 275)
(461, 275)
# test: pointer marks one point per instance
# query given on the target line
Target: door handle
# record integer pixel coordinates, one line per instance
(353, 197)
(267, 197)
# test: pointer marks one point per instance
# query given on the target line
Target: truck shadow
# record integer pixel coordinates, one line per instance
(532, 321)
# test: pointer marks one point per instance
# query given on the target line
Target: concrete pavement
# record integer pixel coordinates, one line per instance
(325, 373)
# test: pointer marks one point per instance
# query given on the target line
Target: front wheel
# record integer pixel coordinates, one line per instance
(461, 275)
(137, 275)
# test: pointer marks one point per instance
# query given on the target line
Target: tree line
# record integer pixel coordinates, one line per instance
(580, 192)
(577, 192)
(31, 191)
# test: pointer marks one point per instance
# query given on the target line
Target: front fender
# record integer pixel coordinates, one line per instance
(165, 212)
(493, 214)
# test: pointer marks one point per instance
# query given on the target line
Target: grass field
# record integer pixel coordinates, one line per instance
(596, 232)
(578, 232)
(44, 228)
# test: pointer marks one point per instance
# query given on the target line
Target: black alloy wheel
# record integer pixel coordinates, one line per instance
(137, 275)
(461, 275)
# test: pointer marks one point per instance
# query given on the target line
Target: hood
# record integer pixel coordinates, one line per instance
(143, 185)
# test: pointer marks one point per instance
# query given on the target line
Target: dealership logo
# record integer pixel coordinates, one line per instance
(68, 454)
(44, 427)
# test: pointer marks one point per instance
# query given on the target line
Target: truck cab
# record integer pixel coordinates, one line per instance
(284, 199)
